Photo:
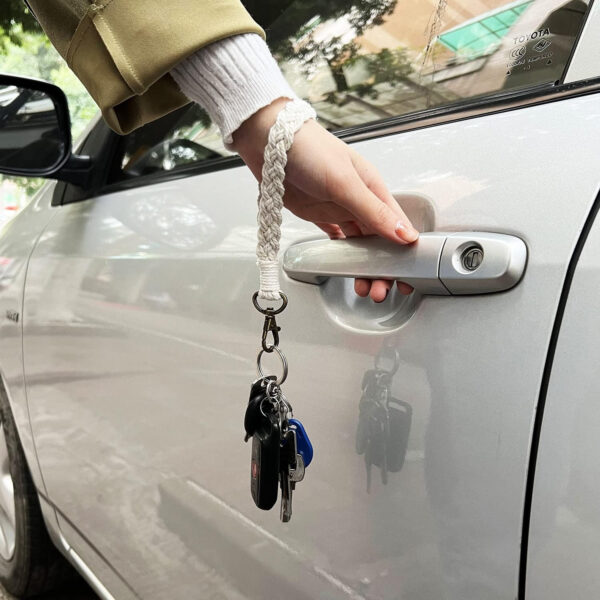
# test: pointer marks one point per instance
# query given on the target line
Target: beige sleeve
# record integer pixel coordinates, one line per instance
(122, 50)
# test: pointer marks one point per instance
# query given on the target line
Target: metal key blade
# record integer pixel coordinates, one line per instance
(286, 499)
(287, 467)
(297, 474)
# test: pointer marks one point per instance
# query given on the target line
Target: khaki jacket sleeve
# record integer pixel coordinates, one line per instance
(123, 50)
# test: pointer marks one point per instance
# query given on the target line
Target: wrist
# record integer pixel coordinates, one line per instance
(232, 79)
(250, 138)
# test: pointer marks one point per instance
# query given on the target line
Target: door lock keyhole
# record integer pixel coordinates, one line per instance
(472, 258)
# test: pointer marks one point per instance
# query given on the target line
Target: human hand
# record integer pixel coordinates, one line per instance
(330, 184)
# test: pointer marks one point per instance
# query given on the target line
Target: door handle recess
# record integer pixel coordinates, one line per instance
(437, 263)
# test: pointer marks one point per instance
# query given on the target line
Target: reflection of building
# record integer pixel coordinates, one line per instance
(533, 49)
(476, 47)
(482, 34)
(410, 23)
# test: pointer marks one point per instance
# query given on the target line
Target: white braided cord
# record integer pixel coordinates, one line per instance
(271, 190)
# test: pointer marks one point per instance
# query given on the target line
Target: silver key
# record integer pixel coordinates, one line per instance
(286, 499)
(297, 474)
(288, 462)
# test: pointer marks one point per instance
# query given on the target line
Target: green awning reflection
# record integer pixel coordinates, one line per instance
(483, 34)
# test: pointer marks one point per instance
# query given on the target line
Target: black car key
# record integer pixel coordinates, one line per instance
(375, 416)
(255, 409)
(264, 465)
(362, 431)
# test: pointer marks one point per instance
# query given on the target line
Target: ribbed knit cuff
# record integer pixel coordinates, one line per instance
(232, 79)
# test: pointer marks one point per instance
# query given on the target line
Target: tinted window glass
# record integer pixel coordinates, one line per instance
(183, 137)
(359, 61)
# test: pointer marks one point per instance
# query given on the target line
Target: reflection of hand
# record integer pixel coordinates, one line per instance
(330, 184)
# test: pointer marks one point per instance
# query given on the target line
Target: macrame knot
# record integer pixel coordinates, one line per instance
(271, 190)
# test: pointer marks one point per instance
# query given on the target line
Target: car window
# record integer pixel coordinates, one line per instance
(361, 61)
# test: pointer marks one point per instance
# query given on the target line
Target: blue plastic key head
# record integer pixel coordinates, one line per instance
(305, 449)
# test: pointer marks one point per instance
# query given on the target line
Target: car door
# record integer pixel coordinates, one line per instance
(140, 337)
(563, 545)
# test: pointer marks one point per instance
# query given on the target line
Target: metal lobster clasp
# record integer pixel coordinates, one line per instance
(270, 326)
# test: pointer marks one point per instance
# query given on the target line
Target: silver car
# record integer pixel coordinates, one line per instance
(128, 337)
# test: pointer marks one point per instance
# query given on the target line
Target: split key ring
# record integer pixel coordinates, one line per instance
(284, 364)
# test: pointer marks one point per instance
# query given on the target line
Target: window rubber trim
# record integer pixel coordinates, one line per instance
(577, 40)
(546, 376)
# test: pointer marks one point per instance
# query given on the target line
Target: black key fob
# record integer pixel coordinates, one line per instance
(264, 466)
(254, 416)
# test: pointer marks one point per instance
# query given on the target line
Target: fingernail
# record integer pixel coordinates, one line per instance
(406, 232)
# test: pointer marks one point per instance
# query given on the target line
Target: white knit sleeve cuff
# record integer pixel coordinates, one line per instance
(232, 79)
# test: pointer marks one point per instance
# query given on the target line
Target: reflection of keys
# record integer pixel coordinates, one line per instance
(384, 426)
(373, 431)
(287, 469)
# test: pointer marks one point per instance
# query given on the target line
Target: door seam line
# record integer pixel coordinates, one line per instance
(543, 393)
(25, 392)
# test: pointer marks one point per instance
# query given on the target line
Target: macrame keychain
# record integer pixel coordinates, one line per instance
(281, 449)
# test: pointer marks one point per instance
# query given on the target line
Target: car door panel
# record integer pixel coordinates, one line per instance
(563, 537)
(16, 244)
(140, 341)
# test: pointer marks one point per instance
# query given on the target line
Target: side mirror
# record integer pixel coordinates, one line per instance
(35, 132)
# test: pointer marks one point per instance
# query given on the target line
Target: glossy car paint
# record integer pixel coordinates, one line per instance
(16, 244)
(17, 240)
(140, 338)
(564, 541)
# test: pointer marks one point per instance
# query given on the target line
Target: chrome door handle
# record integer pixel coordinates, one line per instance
(437, 263)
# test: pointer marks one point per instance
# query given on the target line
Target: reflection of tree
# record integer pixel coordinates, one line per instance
(291, 36)
(391, 66)
(284, 19)
(311, 52)
(29, 185)
(296, 34)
